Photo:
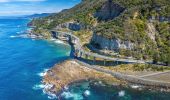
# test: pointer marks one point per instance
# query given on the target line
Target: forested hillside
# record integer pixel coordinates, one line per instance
(143, 23)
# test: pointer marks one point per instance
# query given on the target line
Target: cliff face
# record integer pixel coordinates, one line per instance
(110, 44)
(74, 26)
(109, 11)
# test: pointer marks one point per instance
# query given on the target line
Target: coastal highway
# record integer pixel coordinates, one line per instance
(79, 47)
(131, 78)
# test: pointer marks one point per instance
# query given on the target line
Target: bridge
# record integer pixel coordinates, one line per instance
(142, 80)
(81, 53)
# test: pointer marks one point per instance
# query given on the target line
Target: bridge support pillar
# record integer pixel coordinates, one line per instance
(86, 56)
(81, 54)
(76, 54)
(104, 62)
(94, 60)
(117, 62)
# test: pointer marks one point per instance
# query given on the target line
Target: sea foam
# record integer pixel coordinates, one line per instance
(50, 94)
(19, 36)
(38, 86)
(13, 36)
(121, 93)
(59, 41)
(41, 74)
(135, 86)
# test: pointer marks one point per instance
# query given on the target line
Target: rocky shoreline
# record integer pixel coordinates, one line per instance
(61, 76)
(57, 79)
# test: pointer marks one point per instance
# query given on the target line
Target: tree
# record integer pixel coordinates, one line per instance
(155, 57)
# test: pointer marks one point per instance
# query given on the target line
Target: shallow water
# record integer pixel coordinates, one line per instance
(77, 91)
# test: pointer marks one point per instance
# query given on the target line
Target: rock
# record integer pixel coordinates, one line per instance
(110, 44)
(109, 11)
(151, 32)
(75, 26)
(71, 71)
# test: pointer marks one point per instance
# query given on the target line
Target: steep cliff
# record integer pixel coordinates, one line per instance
(109, 11)
(110, 44)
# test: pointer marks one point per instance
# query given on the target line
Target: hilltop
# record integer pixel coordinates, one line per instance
(137, 28)
(38, 15)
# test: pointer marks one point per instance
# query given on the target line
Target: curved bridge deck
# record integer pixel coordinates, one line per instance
(79, 51)
(129, 78)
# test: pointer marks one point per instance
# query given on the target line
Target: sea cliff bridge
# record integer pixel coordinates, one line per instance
(81, 53)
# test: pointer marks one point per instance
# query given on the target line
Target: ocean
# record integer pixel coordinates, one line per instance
(24, 60)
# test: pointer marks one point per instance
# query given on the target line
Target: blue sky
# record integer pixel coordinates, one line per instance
(26, 7)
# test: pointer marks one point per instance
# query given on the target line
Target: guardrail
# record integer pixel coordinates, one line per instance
(78, 47)
(129, 78)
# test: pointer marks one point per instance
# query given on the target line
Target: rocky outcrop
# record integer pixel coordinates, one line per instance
(110, 44)
(109, 11)
(71, 71)
(74, 26)
(151, 32)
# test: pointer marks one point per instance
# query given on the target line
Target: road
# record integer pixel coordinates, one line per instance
(79, 47)
(129, 78)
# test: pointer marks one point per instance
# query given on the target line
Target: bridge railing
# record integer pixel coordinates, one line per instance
(79, 48)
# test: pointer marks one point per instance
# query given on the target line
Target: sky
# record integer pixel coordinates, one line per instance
(27, 7)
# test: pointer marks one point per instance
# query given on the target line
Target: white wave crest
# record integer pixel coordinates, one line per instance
(13, 36)
(135, 86)
(67, 95)
(87, 93)
(41, 74)
(59, 41)
(52, 96)
(121, 93)
(19, 36)
(52, 39)
(72, 96)
(20, 32)
(38, 86)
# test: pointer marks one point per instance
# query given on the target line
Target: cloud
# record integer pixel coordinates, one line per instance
(25, 7)
(2, 1)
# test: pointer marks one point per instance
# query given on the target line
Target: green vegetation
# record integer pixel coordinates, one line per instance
(131, 25)
(149, 67)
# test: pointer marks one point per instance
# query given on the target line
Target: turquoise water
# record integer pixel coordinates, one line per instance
(77, 90)
(23, 61)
